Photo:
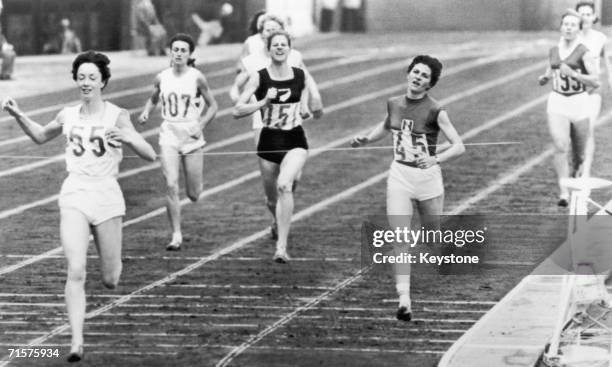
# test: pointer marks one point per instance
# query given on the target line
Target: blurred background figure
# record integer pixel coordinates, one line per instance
(328, 10)
(216, 23)
(149, 27)
(209, 30)
(352, 16)
(254, 22)
(71, 44)
(7, 53)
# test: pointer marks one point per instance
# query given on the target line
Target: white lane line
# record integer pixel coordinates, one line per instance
(238, 138)
(253, 174)
(222, 113)
(173, 296)
(350, 192)
(193, 315)
(146, 89)
(237, 245)
(189, 258)
(503, 180)
(506, 178)
(231, 306)
(129, 324)
(250, 259)
(95, 348)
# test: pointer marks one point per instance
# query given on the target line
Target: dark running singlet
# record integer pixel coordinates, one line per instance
(284, 110)
(564, 84)
(414, 124)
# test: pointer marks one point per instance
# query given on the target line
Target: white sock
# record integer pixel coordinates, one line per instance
(404, 301)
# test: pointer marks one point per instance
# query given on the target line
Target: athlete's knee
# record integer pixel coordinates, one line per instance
(76, 273)
(561, 147)
(194, 194)
(284, 186)
(172, 187)
(110, 278)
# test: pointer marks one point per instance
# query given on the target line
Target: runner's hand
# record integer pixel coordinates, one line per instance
(11, 106)
(144, 117)
(543, 80)
(115, 136)
(271, 94)
(566, 70)
(359, 141)
(426, 161)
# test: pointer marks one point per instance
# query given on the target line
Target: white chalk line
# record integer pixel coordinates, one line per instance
(148, 88)
(298, 216)
(238, 138)
(222, 113)
(253, 174)
(505, 179)
(113, 348)
(232, 306)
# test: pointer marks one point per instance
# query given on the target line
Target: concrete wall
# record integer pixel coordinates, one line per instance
(471, 15)
(299, 14)
(400, 15)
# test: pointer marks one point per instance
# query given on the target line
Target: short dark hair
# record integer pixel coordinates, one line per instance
(585, 3)
(188, 40)
(434, 65)
(185, 38)
(253, 28)
(590, 4)
(96, 58)
(279, 33)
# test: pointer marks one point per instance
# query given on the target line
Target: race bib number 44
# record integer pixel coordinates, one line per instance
(408, 146)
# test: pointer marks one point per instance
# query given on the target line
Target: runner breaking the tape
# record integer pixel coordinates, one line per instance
(415, 120)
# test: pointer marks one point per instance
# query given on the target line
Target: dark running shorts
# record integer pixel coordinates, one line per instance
(275, 143)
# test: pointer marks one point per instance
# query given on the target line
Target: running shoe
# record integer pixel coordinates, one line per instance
(76, 354)
(281, 257)
(563, 200)
(404, 311)
(175, 244)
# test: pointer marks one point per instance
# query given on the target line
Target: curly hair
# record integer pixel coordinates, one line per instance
(269, 17)
(97, 58)
(434, 65)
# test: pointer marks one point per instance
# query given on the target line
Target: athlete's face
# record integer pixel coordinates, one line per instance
(89, 80)
(570, 26)
(279, 48)
(419, 78)
(588, 15)
(180, 52)
(269, 27)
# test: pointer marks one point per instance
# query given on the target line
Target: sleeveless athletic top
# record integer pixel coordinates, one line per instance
(88, 152)
(414, 125)
(284, 111)
(180, 96)
(564, 84)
